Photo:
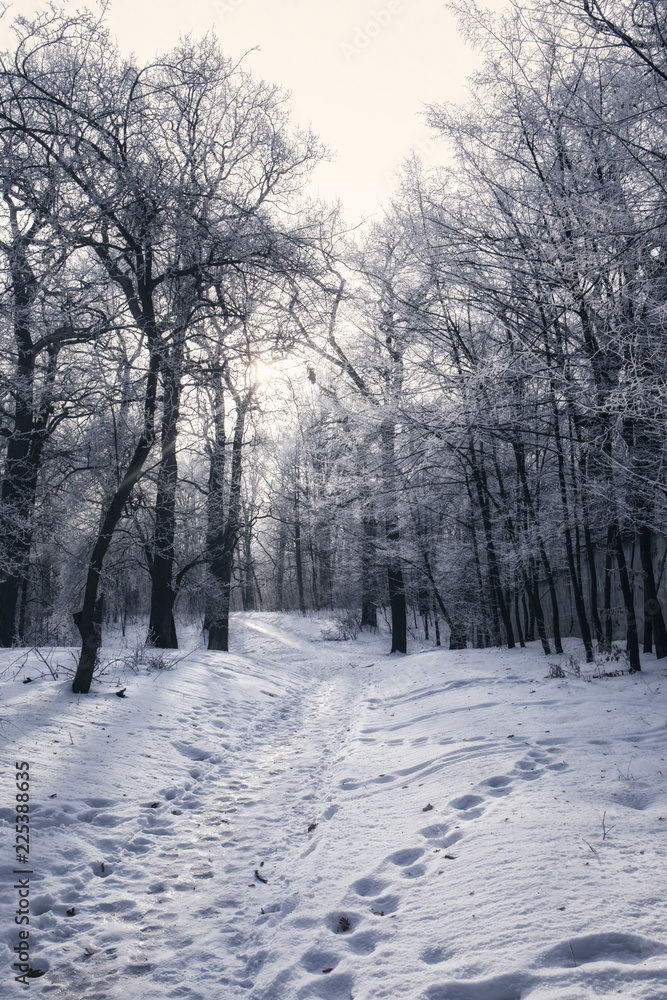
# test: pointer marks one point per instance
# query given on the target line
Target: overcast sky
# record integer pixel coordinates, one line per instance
(360, 71)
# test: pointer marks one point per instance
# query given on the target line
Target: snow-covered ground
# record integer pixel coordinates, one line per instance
(311, 819)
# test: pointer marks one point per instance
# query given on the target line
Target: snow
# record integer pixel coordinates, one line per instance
(459, 851)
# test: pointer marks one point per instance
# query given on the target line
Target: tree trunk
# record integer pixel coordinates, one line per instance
(298, 557)
(399, 623)
(85, 624)
(628, 600)
(369, 611)
(531, 586)
(608, 571)
(223, 543)
(162, 627)
(280, 565)
(654, 621)
(457, 634)
(397, 602)
(569, 549)
(479, 476)
(248, 595)
(22, 459)
(544, 559)
(517, 618)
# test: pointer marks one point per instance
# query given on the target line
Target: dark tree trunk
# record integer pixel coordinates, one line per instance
(369, 612)
(298, 557)
(536, 607)
(396, 587)
(532, 588)
(593, 582)
(479, 476)
(86, 625)
(399, 623)
(648, 627)
(569, 549)
(517, 618)
(223, 542)
(248, 594)
(628, 601)
(314, 577)
(588, 541)
(608, 571)
(457, 634)
(482, 630)
(280, 565)
(162, 627)
(24, 449)
(215, 501)
(654, 622)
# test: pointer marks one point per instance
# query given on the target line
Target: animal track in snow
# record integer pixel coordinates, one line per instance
(370, 886)
(406, 857)
(466, 802)
(434, 955)
(498, 988)
(349, 919)
(316, 959)
(434, 831)
(612, 946)
(498, 785)
(364, 942)
(469, 806)
(331, 987)
(193, 752)
(386, 904)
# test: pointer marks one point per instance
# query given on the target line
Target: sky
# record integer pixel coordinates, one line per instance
(359, 71)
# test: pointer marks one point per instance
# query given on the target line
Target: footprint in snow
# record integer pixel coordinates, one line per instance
(498, 988)
(498, 785)
(435, 954)
(342, 921)
(527, 770)
(192, 752)
(370, 886)
(383, 906)
(331, 986)
(470, 806)
(434, 831)
(316, 960)
(612, 946)
(364, 943)
(407, 857)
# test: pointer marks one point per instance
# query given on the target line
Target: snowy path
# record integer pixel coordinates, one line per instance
(458, 852)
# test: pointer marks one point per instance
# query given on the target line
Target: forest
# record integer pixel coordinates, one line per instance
(216, 396)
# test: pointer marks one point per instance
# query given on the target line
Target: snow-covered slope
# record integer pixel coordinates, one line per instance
(309, 819)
